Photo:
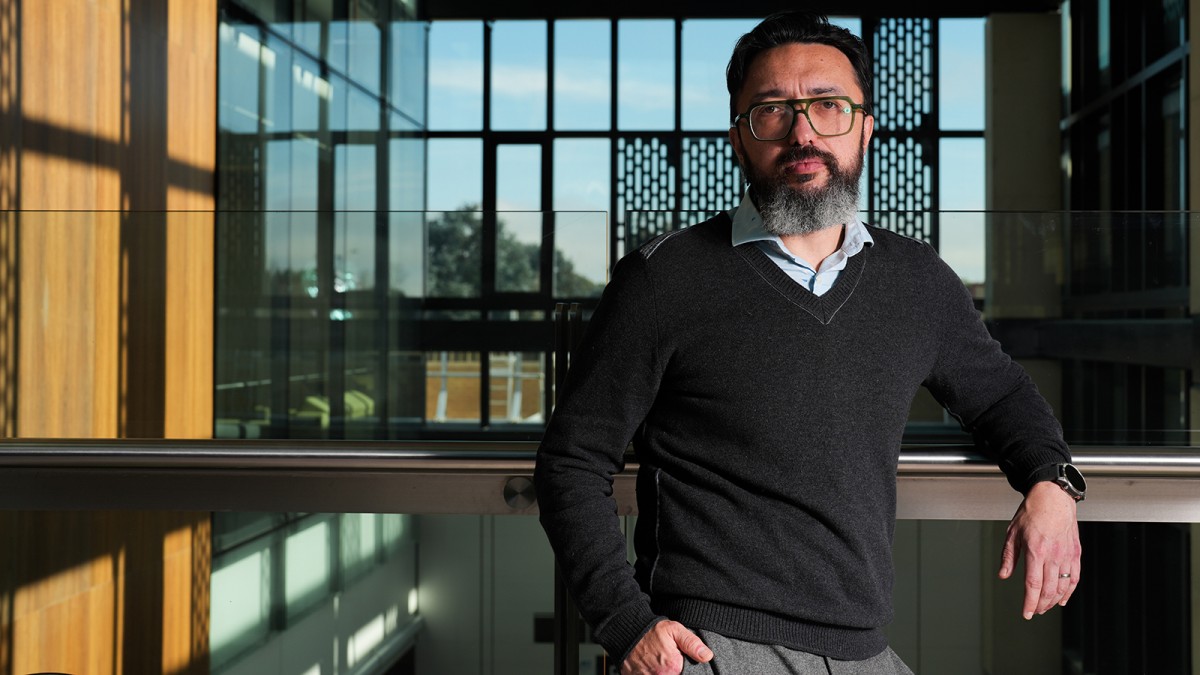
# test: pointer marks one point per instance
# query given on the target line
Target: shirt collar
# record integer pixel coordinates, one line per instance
(748, 226)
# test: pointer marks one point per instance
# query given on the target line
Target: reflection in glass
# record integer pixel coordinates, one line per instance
(518, 251)
(518, 75)
(310, 90)
(452, 386)
(455, 75)
(406, 239)
(354, 50)
(582, 75)
(240, 50)
(454, 254)
(518, 382)
(519, 225)
(581, 254)
(645, 74)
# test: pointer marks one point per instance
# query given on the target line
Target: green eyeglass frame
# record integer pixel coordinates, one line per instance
(793, 104)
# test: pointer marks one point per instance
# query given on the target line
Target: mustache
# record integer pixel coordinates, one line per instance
(797, 153)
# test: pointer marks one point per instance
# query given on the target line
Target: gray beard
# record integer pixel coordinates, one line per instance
(786, 210)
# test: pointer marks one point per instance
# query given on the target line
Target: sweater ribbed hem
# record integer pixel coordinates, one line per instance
(838, 642)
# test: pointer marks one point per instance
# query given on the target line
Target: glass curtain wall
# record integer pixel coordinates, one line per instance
(1125, 149)
(320, 239)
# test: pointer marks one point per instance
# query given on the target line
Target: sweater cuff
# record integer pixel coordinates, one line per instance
(622, 633)
(1047, 472)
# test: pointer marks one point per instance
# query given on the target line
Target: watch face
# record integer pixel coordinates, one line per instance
(1074, 477)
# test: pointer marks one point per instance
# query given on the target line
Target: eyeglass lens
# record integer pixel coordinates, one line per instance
(773, 121)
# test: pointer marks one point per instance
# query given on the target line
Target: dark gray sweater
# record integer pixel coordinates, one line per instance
(767, 422)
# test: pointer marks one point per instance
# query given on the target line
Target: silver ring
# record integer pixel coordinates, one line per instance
(1066, 575)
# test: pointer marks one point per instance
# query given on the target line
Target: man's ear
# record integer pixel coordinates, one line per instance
(735, 140)
(868, 129)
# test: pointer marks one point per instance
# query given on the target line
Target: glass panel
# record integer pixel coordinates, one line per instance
(582, 174)
(518, 75)
(409, 40)
(518, 388)
(241, 50)
(455, 77)
(581, 260)
(961, 235)
(961, 71)
(309, 92)
(455, 174)
(582, 75)
(350, 108)
(454, 254)
(518, 251)
(519, 225)
(363, 53)
(406, 237)
(707, 45)
(452, 386)
(645, 74)
(406, 182)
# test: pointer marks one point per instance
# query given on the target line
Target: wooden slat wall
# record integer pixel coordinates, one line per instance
(106, 319)
(125, 593)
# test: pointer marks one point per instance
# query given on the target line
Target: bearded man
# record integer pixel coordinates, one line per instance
(763, 363)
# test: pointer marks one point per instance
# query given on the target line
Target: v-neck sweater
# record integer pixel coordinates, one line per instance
(767, 423)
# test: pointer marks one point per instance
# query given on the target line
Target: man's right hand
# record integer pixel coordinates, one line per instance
(662, 650)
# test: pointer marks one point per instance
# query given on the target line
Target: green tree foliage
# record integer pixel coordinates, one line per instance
(455, 250)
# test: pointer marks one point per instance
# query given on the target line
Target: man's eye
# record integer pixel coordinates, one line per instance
(770, 109)
(829, 105)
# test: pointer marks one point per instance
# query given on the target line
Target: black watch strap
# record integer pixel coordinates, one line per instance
(1065, 475)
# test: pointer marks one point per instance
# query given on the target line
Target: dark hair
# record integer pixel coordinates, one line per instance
(796, 26)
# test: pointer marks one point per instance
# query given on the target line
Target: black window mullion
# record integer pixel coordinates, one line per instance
(488, 207)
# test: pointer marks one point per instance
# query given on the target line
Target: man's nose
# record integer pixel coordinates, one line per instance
(802, 131)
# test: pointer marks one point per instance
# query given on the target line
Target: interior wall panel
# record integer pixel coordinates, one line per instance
(107, 123)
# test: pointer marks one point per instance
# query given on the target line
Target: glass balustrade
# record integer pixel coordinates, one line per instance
(379, 382)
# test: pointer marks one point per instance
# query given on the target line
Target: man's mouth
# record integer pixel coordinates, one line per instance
(804, 166)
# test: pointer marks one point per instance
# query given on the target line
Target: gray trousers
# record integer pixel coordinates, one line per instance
(737, 657)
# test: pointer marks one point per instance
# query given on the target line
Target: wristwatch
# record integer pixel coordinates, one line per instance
(1069, 478)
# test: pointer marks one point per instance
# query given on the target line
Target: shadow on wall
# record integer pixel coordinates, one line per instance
(86, 594)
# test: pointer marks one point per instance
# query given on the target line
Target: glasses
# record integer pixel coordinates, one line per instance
(827, 115)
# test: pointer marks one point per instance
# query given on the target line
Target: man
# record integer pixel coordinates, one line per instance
(763, 363)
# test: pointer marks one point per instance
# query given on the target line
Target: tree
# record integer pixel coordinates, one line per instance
(455, 255)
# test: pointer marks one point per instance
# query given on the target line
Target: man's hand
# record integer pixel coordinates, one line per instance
(1045, 530)
(661, 651)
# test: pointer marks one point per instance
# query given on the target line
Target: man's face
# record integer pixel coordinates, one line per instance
(803, 162)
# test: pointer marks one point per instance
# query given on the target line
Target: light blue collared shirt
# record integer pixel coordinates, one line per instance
(748, 226)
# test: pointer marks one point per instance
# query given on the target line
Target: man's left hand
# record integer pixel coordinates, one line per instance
(1046, 531)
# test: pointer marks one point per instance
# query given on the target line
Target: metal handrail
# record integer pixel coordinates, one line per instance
(934, 481)
(500, 456)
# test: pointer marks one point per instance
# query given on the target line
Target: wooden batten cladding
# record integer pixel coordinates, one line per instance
(127, 593)
(107, 156)
(117, 121)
